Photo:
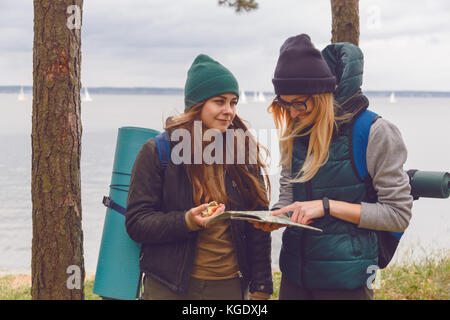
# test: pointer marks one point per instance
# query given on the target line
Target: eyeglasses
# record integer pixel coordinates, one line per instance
(296, 104)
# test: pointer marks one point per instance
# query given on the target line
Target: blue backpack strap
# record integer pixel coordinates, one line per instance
(360, 139)
(398, 235)
(387, 241)
(163, 146)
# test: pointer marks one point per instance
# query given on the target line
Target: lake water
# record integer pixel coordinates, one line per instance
(424, 123)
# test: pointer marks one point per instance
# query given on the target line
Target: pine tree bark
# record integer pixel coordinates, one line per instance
(57, 245)
(345, 21)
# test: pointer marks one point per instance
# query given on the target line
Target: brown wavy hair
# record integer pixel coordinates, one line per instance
(208, 181)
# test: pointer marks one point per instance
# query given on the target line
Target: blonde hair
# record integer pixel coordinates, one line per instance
(208, 180)
(318, 124)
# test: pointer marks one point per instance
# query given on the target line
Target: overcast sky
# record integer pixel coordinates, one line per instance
(139, 43)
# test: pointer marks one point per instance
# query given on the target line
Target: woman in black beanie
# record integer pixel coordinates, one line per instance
(320, 185)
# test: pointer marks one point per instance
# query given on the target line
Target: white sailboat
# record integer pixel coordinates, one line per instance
(261, 97)
(21, 95)
(255, 96)
(86, 96)
(242, 97)
(392, 98)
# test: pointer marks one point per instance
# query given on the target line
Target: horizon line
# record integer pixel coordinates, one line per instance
(7, 88)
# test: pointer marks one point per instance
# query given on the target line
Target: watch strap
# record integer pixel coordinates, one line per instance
(326, 206)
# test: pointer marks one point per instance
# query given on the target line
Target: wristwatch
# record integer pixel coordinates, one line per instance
(326, 206)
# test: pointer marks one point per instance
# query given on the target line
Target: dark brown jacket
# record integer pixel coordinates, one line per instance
(155, 217)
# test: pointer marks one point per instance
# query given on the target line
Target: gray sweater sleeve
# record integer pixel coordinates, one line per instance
(386, 154)
(286, 194)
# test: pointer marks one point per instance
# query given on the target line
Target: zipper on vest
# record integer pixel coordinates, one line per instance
(239, 273)
(308, 189)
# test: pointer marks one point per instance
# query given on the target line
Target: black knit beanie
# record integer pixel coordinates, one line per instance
(301, 69)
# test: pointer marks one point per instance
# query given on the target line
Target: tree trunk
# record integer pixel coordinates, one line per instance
(345, 21)
(57, 262)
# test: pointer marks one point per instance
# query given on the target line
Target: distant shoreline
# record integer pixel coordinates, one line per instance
(180, 91)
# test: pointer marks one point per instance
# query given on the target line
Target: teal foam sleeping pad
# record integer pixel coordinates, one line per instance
(117, 275)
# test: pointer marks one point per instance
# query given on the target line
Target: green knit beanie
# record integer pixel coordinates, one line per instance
(207, 78)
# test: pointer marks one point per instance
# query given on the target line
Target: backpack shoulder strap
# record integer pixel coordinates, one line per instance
(387, 241)
(360, 139)
(163, 146)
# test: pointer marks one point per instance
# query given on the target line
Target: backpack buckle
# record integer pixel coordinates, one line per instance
(107, 201)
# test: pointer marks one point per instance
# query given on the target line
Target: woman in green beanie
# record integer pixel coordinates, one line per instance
(181, 257)
(321, 182)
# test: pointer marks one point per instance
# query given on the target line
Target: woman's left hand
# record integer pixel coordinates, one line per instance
(303, 212)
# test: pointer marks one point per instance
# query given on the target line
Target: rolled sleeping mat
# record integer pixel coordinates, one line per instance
(429, 184)
(118, 272)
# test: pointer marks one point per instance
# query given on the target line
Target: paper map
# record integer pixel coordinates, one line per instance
(260, 216)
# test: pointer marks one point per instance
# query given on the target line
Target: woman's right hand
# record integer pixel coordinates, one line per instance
(195, 214)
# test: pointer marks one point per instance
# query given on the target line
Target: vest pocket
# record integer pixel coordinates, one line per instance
(356, 243)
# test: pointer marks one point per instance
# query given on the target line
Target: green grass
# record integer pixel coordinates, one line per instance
(426, 280)
(12, 289)
(88, 294)
(18, 287)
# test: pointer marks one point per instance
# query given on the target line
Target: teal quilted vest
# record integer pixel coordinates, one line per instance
(339, 257)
